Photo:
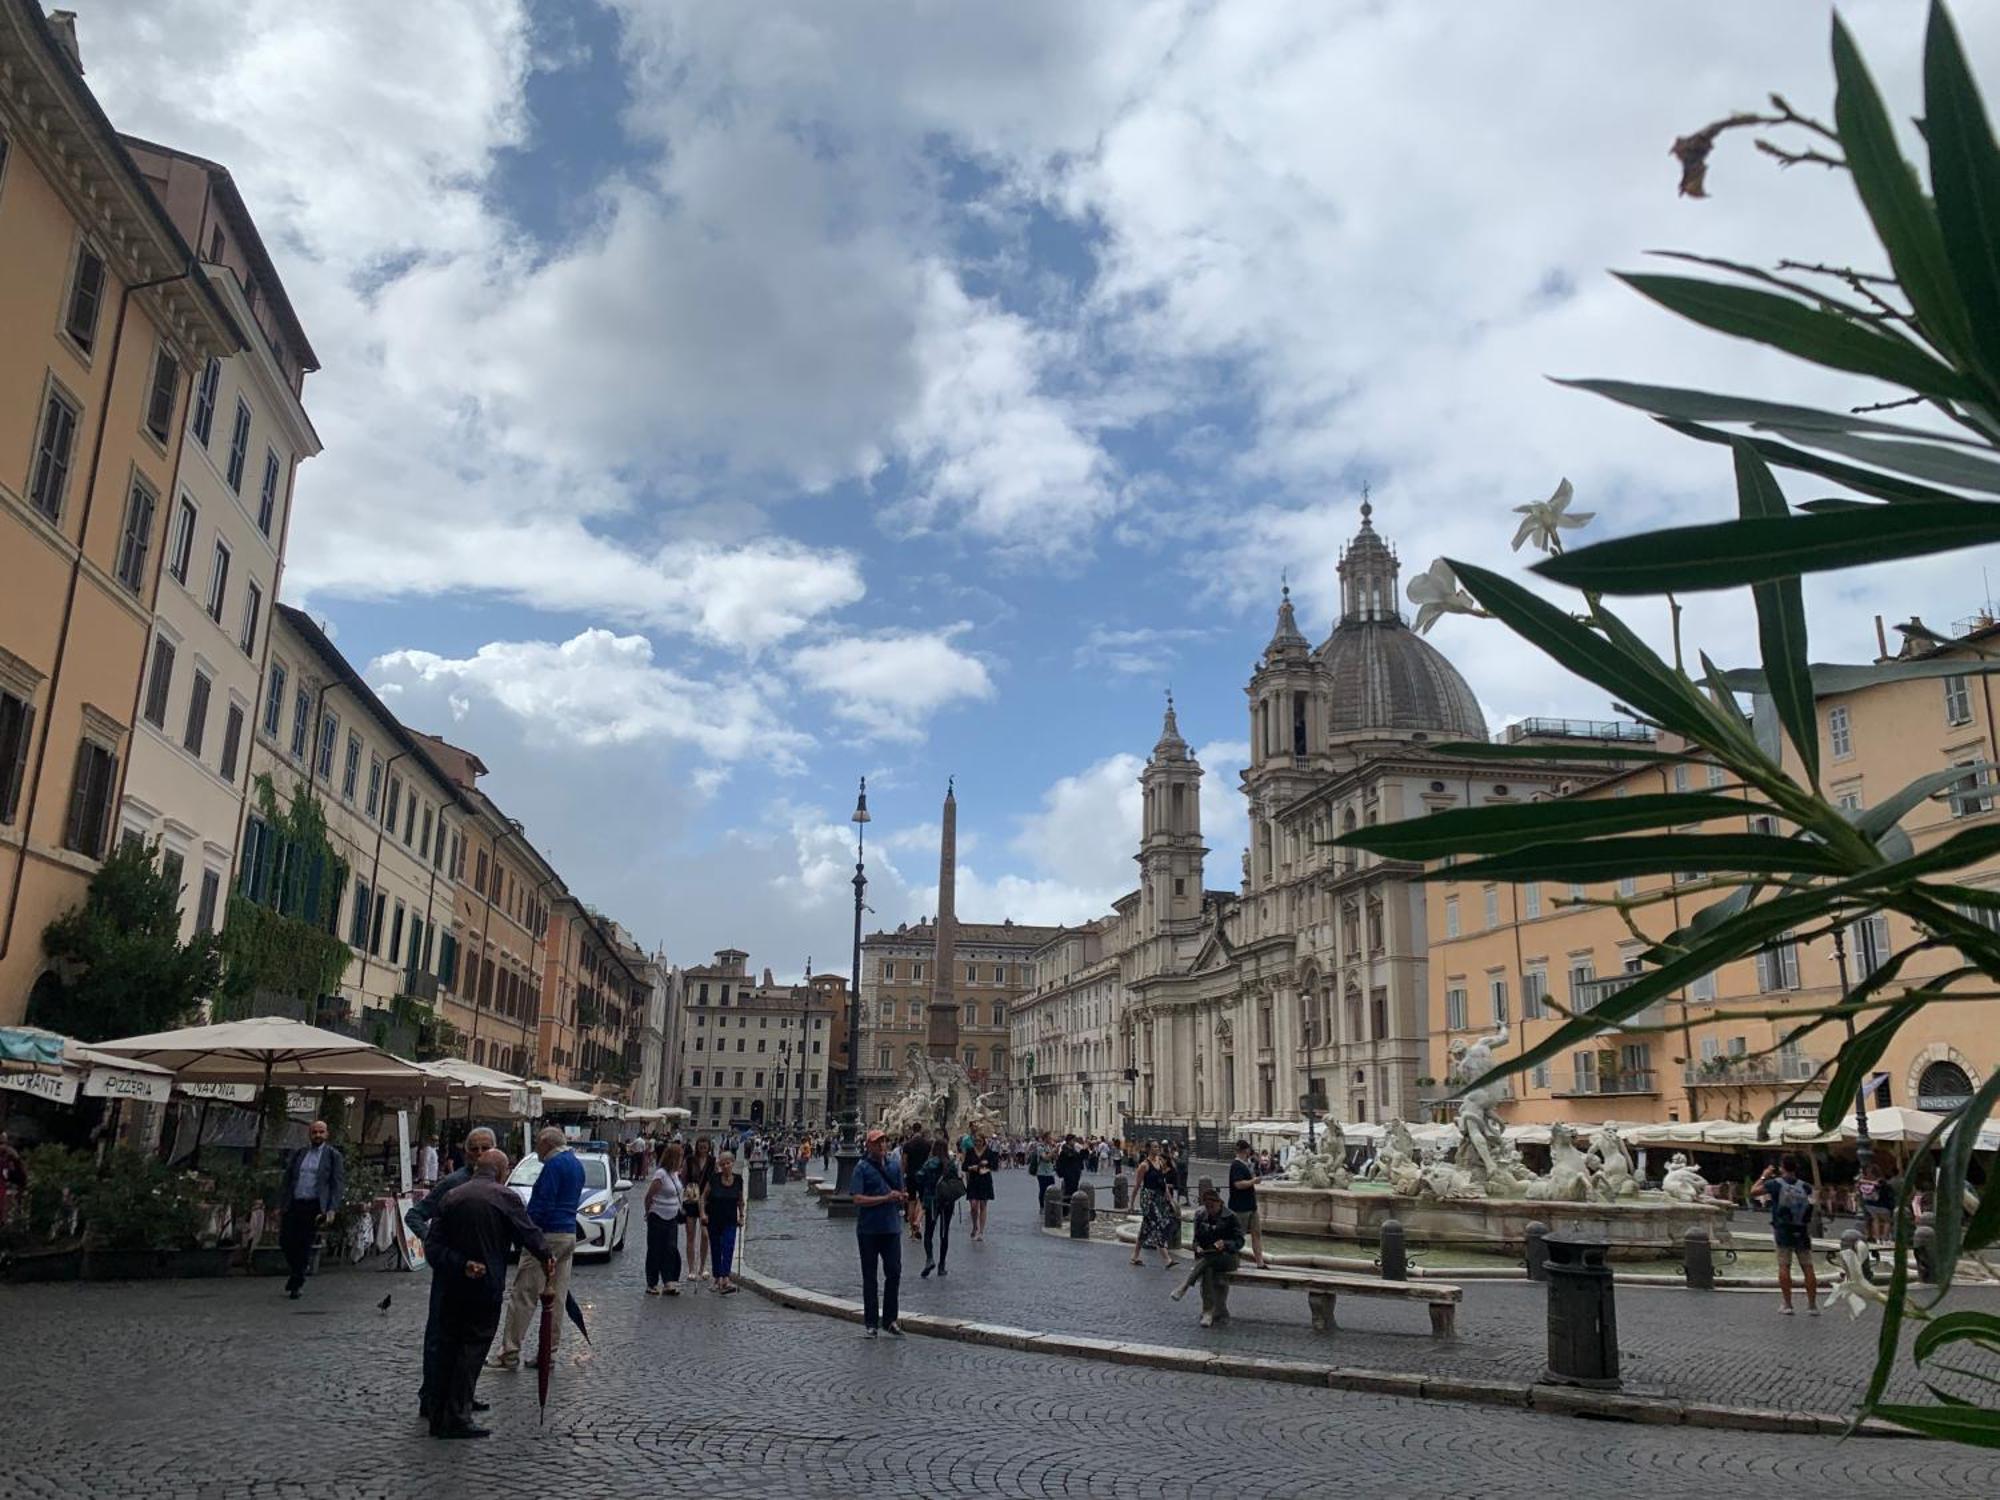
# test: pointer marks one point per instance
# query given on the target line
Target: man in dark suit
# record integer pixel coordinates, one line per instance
(315, 1183)
(471, 1243)
(478, 1140)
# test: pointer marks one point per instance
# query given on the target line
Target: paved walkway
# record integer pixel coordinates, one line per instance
(193, 1390)
(1727, 1348)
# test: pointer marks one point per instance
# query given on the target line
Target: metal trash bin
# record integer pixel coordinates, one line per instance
(1583, 1315)
(760, 1178)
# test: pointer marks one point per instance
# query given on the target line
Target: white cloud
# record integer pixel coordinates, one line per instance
(1141, 651)
(1086, 831)
(598, 689)
(890, 682)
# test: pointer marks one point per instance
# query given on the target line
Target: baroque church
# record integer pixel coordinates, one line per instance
(1310, 978)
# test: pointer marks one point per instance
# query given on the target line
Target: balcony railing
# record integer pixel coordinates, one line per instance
(1634, 1081)
(1588, 994)
(1579, 729)
(1750, 1072)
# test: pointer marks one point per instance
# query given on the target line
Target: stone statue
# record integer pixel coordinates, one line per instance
(1569, 1170)
(1326, 1167)
(1396, 1162)
(1470, 1064)
(938, 1099)
(1614, 1177)
(1684, 1182)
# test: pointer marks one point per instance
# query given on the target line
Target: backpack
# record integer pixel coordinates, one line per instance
(950, 1185)
(1794, 1201)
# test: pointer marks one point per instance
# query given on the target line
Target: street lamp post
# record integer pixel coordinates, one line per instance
(805, 1025)
(849, 1150)
(1864, 1149)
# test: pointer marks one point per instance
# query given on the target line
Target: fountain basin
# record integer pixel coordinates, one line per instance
(1634, 1228)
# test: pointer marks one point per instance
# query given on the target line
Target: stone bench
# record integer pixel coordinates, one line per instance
(1322, 1287)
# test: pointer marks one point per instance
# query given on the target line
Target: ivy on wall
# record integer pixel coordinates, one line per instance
(278, 936)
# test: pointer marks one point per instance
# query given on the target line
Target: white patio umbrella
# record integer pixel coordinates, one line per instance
(487, 1088)
(63, 1067)
(269, 1049)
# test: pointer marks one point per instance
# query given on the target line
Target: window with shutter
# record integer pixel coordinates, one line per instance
(267, 493)
(17, 722)
(160, 400)
(135, 542)
(160, 682)
(89, 819)
(197, 717)
(239, 446)
(86, 298)
(205, 904)
(232, 741)
(203, 418)
(274, 700)
(54, 451)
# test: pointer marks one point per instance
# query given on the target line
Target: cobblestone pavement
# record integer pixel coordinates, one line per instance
(227, 1390)
(1731, 1348)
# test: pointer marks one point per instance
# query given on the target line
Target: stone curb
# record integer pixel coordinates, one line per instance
(1604, 1405)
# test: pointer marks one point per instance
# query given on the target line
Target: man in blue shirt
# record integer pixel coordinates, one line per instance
(552, 1204)
(315, 1185)
(877, 1187)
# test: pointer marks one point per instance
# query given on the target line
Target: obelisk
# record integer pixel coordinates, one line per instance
(941, 1017)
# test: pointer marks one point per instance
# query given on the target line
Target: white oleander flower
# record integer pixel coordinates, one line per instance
(1854, 1288)
(1435, 592)
(1547, 518)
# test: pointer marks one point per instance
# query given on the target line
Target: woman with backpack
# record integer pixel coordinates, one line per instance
(939, 1187)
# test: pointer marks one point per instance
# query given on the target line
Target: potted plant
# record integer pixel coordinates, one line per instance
(42, 1241)
(134, 1216)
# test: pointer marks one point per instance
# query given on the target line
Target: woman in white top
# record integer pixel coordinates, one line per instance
(665, 1195)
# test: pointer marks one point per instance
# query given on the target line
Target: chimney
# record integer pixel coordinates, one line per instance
(1881, 641)
(63, 24)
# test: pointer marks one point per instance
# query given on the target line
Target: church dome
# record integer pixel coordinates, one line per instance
(1381, 676)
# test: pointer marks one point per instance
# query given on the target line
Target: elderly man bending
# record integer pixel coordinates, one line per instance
(477, 1231)
(552, 1205)
(478, 1141)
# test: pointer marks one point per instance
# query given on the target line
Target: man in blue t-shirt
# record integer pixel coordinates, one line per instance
(552, 1204)
(1791, 1204)
(877, 1187)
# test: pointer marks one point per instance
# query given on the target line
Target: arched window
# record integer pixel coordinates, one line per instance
(1944, 1086)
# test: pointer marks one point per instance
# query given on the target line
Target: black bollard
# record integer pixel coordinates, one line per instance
(1395, 1260)
(1081, 1211)
(1121, 1192)
(1923, 1250)
(1052, 1206)
(1698, 1260)
(1537, 1250)
(1583, 1316)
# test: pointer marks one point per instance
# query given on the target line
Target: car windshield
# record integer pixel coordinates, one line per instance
(596, 1173)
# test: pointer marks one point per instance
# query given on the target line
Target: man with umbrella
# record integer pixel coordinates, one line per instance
(471, 1241)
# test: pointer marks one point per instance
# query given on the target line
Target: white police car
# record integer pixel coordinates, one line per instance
(605, 1211)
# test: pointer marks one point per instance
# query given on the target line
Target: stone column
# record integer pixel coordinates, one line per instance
(941, 1033)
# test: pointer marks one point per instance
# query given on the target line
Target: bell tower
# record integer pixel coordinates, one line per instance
(1170, 848)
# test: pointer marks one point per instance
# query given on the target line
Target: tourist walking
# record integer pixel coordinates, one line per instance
(552, 1204)
(1791, 1205)
(940, 1185)
(471, 1240)
(1878, 1205)
(1157, 1219)
(722, 1213)
(1218, 1246)
(700, 1169)
(1243, 1179)
(916, 1150)
(877, 1187)
(1069, 1167)
(980, 1160)
(664, 1194)
(315, 1183)
(418, 1217)
(1042, 1161)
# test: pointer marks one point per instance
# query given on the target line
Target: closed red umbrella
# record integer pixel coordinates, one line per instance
(545, 1357)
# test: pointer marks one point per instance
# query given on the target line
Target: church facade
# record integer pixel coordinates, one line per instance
(1310, 977)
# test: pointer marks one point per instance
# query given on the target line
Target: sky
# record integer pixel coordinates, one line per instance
(725, 402)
